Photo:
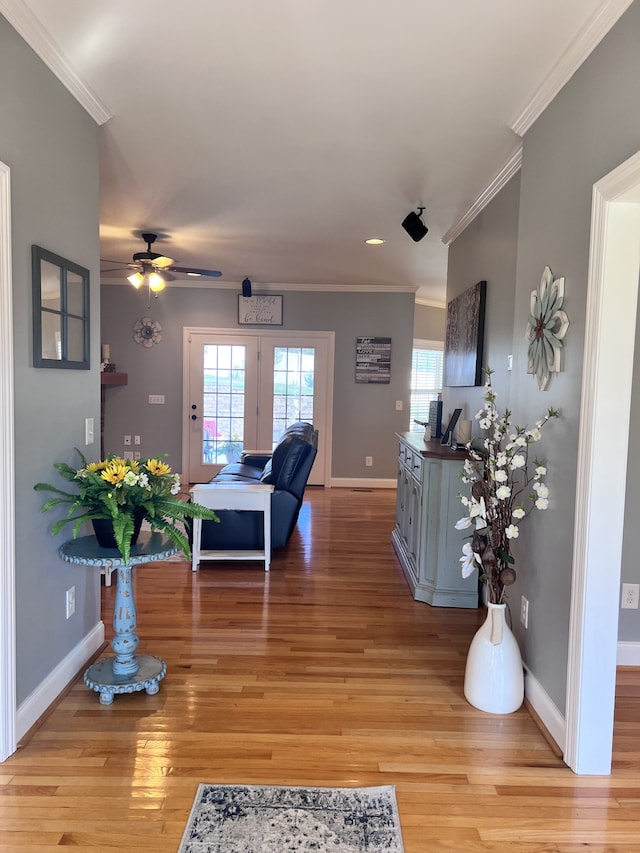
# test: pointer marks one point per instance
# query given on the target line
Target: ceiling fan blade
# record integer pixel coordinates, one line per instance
(162, 262)
(193, 271)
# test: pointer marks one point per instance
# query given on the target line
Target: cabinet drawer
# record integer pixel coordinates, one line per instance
(415, 465)
(405, 455)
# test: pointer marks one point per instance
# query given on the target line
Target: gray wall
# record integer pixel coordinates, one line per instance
(586, 132)
(51, 146)
(429, 323)
(487, 251)
(358, 410)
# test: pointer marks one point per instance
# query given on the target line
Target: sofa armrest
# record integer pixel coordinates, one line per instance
(256, 458)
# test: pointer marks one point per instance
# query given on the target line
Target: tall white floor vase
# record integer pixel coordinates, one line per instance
(493, 679)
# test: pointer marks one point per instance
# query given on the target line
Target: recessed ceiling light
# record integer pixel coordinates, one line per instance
(374, 241)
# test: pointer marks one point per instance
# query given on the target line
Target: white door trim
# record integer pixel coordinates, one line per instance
(327, 425)
(610, 330)
(7, 481)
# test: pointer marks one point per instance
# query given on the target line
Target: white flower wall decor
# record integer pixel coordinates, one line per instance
(546, 328)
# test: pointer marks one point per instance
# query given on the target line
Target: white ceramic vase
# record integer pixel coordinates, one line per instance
(493, 679)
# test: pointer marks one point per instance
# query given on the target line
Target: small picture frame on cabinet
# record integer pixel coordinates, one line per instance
(448, 433)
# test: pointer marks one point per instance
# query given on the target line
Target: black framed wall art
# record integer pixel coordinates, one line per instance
(373, 360)
(464, 339)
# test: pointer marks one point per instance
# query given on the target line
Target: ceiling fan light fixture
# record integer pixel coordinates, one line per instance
(136, 279)
(156, 282)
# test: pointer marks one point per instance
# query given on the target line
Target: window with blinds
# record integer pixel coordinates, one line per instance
(426, 379)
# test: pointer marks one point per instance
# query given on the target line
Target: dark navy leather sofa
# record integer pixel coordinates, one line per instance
(287, 469)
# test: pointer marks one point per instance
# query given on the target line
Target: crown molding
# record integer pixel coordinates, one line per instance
(503, 177)
(430, 303)
(29, 27)
(576, 53)
(572, 58)
(272, 287)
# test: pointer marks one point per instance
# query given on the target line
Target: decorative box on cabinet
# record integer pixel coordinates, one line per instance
(424, 538)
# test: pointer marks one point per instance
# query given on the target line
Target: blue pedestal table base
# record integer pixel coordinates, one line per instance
(101, 678)
(127, 672)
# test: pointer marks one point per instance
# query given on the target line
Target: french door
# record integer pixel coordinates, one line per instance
(243, 390)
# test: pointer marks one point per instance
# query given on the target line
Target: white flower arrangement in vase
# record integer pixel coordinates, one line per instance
(505, 487)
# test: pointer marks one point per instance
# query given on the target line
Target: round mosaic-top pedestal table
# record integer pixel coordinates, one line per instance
(126, 672)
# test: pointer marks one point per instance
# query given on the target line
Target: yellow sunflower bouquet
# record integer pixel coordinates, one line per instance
(125, 492)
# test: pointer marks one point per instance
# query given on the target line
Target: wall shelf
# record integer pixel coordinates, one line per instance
(113, 378)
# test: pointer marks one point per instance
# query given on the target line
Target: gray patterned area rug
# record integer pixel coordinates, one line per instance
(268, 819)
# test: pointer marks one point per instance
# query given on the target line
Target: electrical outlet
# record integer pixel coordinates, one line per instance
(368, 461)
(136, 454)
(88, 430)
(128, 454)
(136, 439)
(127, 440)
(71, 601)
(630, 594)
(524, 611)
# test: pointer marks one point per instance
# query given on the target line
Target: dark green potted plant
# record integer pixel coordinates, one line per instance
(123, 493)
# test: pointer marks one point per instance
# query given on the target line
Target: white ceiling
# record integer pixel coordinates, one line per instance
(270, 139)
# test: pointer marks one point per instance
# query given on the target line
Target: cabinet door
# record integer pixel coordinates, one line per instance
(402, 504)
(452, 540)
(414, 506)
(428, 564)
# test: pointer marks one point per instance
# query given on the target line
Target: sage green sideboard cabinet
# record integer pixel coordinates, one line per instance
(427, 507)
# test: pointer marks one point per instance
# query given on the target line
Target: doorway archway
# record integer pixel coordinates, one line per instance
(7, 493)
(614, 265)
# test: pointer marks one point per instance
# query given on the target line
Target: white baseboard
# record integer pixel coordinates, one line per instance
(628, 653)
(362, 483)
(34, 706)
(545, 708)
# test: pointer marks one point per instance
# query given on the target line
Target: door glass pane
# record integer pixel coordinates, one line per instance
(293, 378)
(224, 381)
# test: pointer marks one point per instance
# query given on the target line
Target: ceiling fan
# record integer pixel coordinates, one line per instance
(156, 269)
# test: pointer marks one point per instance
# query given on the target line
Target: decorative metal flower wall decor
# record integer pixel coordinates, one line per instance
(147, 332)
(546, 328)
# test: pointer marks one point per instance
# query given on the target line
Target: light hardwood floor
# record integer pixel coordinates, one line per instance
(327, 673)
